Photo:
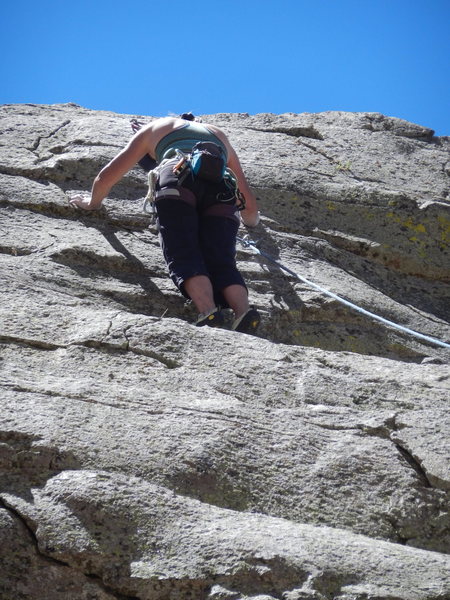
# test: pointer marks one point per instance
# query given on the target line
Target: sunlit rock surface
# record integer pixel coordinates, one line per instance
(142, 457)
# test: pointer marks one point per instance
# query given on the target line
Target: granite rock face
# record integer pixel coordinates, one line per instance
(144, 458)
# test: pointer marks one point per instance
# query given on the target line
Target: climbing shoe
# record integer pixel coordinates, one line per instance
(214, 318)
(248, 322)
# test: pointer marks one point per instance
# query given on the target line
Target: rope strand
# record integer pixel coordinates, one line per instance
(247, 243)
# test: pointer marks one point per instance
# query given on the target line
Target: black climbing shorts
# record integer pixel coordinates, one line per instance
(198, 223)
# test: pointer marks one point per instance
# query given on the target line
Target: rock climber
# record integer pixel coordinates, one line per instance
(198, 219)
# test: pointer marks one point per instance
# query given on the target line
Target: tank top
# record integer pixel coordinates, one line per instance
(184, 138)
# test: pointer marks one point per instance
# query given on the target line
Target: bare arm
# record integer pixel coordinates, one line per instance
(114, 171)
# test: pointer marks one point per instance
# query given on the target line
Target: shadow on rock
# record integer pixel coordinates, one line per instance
(25, 463)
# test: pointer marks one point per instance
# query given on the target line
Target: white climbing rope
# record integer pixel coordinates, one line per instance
(246, 242)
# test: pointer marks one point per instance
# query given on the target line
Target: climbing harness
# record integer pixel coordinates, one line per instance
(247, 242)
(182, 169)
(153, 177)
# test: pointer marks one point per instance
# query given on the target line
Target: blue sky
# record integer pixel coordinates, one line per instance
(154, 58)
